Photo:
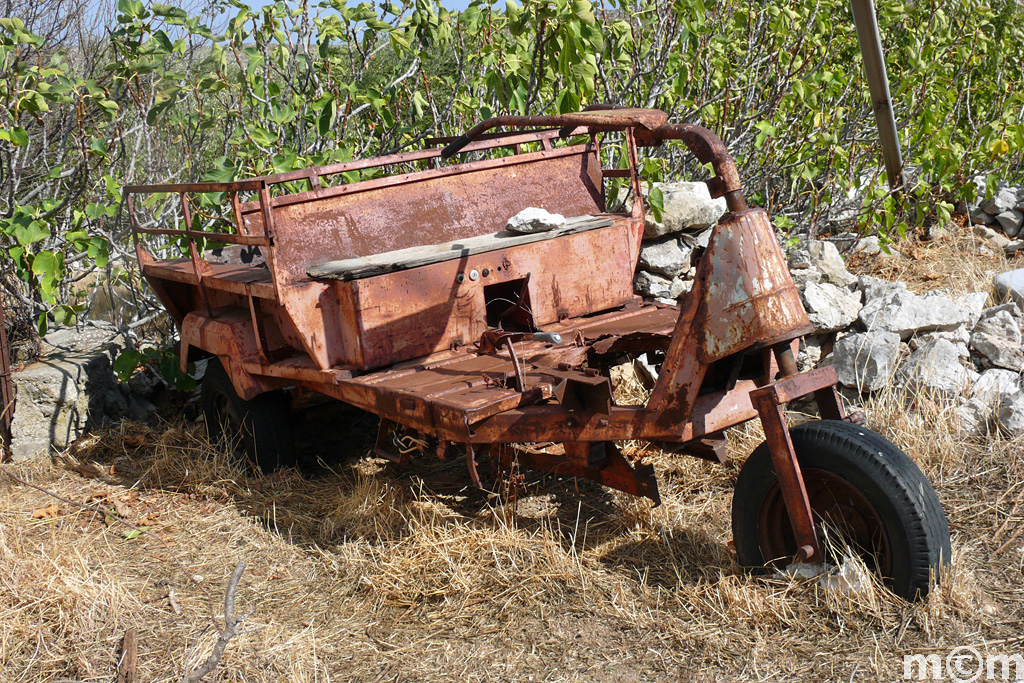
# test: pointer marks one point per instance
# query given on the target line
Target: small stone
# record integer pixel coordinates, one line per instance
(983, 232)
(1010, 221)
(869, 246)
(830, 308)
(997, 339)
(805, 276)
(810, 353)
(668, 257)
(960, 338)
(651, 285)
(865, 360)
(799, 259)
(532, 220)
(934, 367)
(685, 206)
(703, 239)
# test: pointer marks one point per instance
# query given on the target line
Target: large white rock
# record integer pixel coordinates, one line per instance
(686, 206)
(825, 257)
(905, 313)
(865, 361)
(997, 339)
(669, 257)
(830, 308)
(934, 367)
(533, 219)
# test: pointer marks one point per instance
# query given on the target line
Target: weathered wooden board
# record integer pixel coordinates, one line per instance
(413, 257)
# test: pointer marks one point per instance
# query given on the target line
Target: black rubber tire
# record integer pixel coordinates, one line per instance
(916, 533)
(257, 430)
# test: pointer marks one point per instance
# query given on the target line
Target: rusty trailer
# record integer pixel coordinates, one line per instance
(402, 294)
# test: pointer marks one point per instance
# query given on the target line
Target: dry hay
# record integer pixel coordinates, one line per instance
(370, 573)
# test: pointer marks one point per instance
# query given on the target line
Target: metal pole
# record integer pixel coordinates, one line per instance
(878, 82)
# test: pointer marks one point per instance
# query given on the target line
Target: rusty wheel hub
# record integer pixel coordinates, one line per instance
(844, 517)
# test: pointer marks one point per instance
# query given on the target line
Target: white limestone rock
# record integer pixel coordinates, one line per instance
(865, 361)
(934, 367)
(532, 220)
(1011, 415)
(905, 313)
(830, 308)
(997, 339)
(668, 258)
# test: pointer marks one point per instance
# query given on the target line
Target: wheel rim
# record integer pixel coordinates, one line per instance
(837, 507)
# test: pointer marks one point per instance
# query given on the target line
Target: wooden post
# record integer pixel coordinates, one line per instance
(878, 82)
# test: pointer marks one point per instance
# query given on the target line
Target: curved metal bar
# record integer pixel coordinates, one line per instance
(646, 119)
(708, 148)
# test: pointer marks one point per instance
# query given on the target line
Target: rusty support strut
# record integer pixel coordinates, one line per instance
(769, 404)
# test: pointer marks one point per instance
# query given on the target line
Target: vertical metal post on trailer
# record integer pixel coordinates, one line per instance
(878, 83)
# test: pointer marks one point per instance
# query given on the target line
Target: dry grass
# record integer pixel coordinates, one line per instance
(368, 573)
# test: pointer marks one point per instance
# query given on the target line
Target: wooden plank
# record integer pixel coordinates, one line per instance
(413, 257)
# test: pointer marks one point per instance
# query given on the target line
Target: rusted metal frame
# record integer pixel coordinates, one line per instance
(504, 140)
(266, 209)
(801, 384)
(486, 142)
(614, 471)
(225, 237)
(711, 413)
(634, 170)
(199, 265)
(281, 370)
(236, 211)
(682, 372)
(419, 176)
(605, 119)
(257, 328)
(250, 185)
(769, 401)
(791, 481)
(384, 439)
(516, 366)
(829, 405)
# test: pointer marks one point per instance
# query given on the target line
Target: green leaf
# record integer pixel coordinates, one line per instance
(35, 231)
(127, 363)
(656, 202)
(19, 136)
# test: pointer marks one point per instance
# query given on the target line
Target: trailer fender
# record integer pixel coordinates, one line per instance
(229, 335)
